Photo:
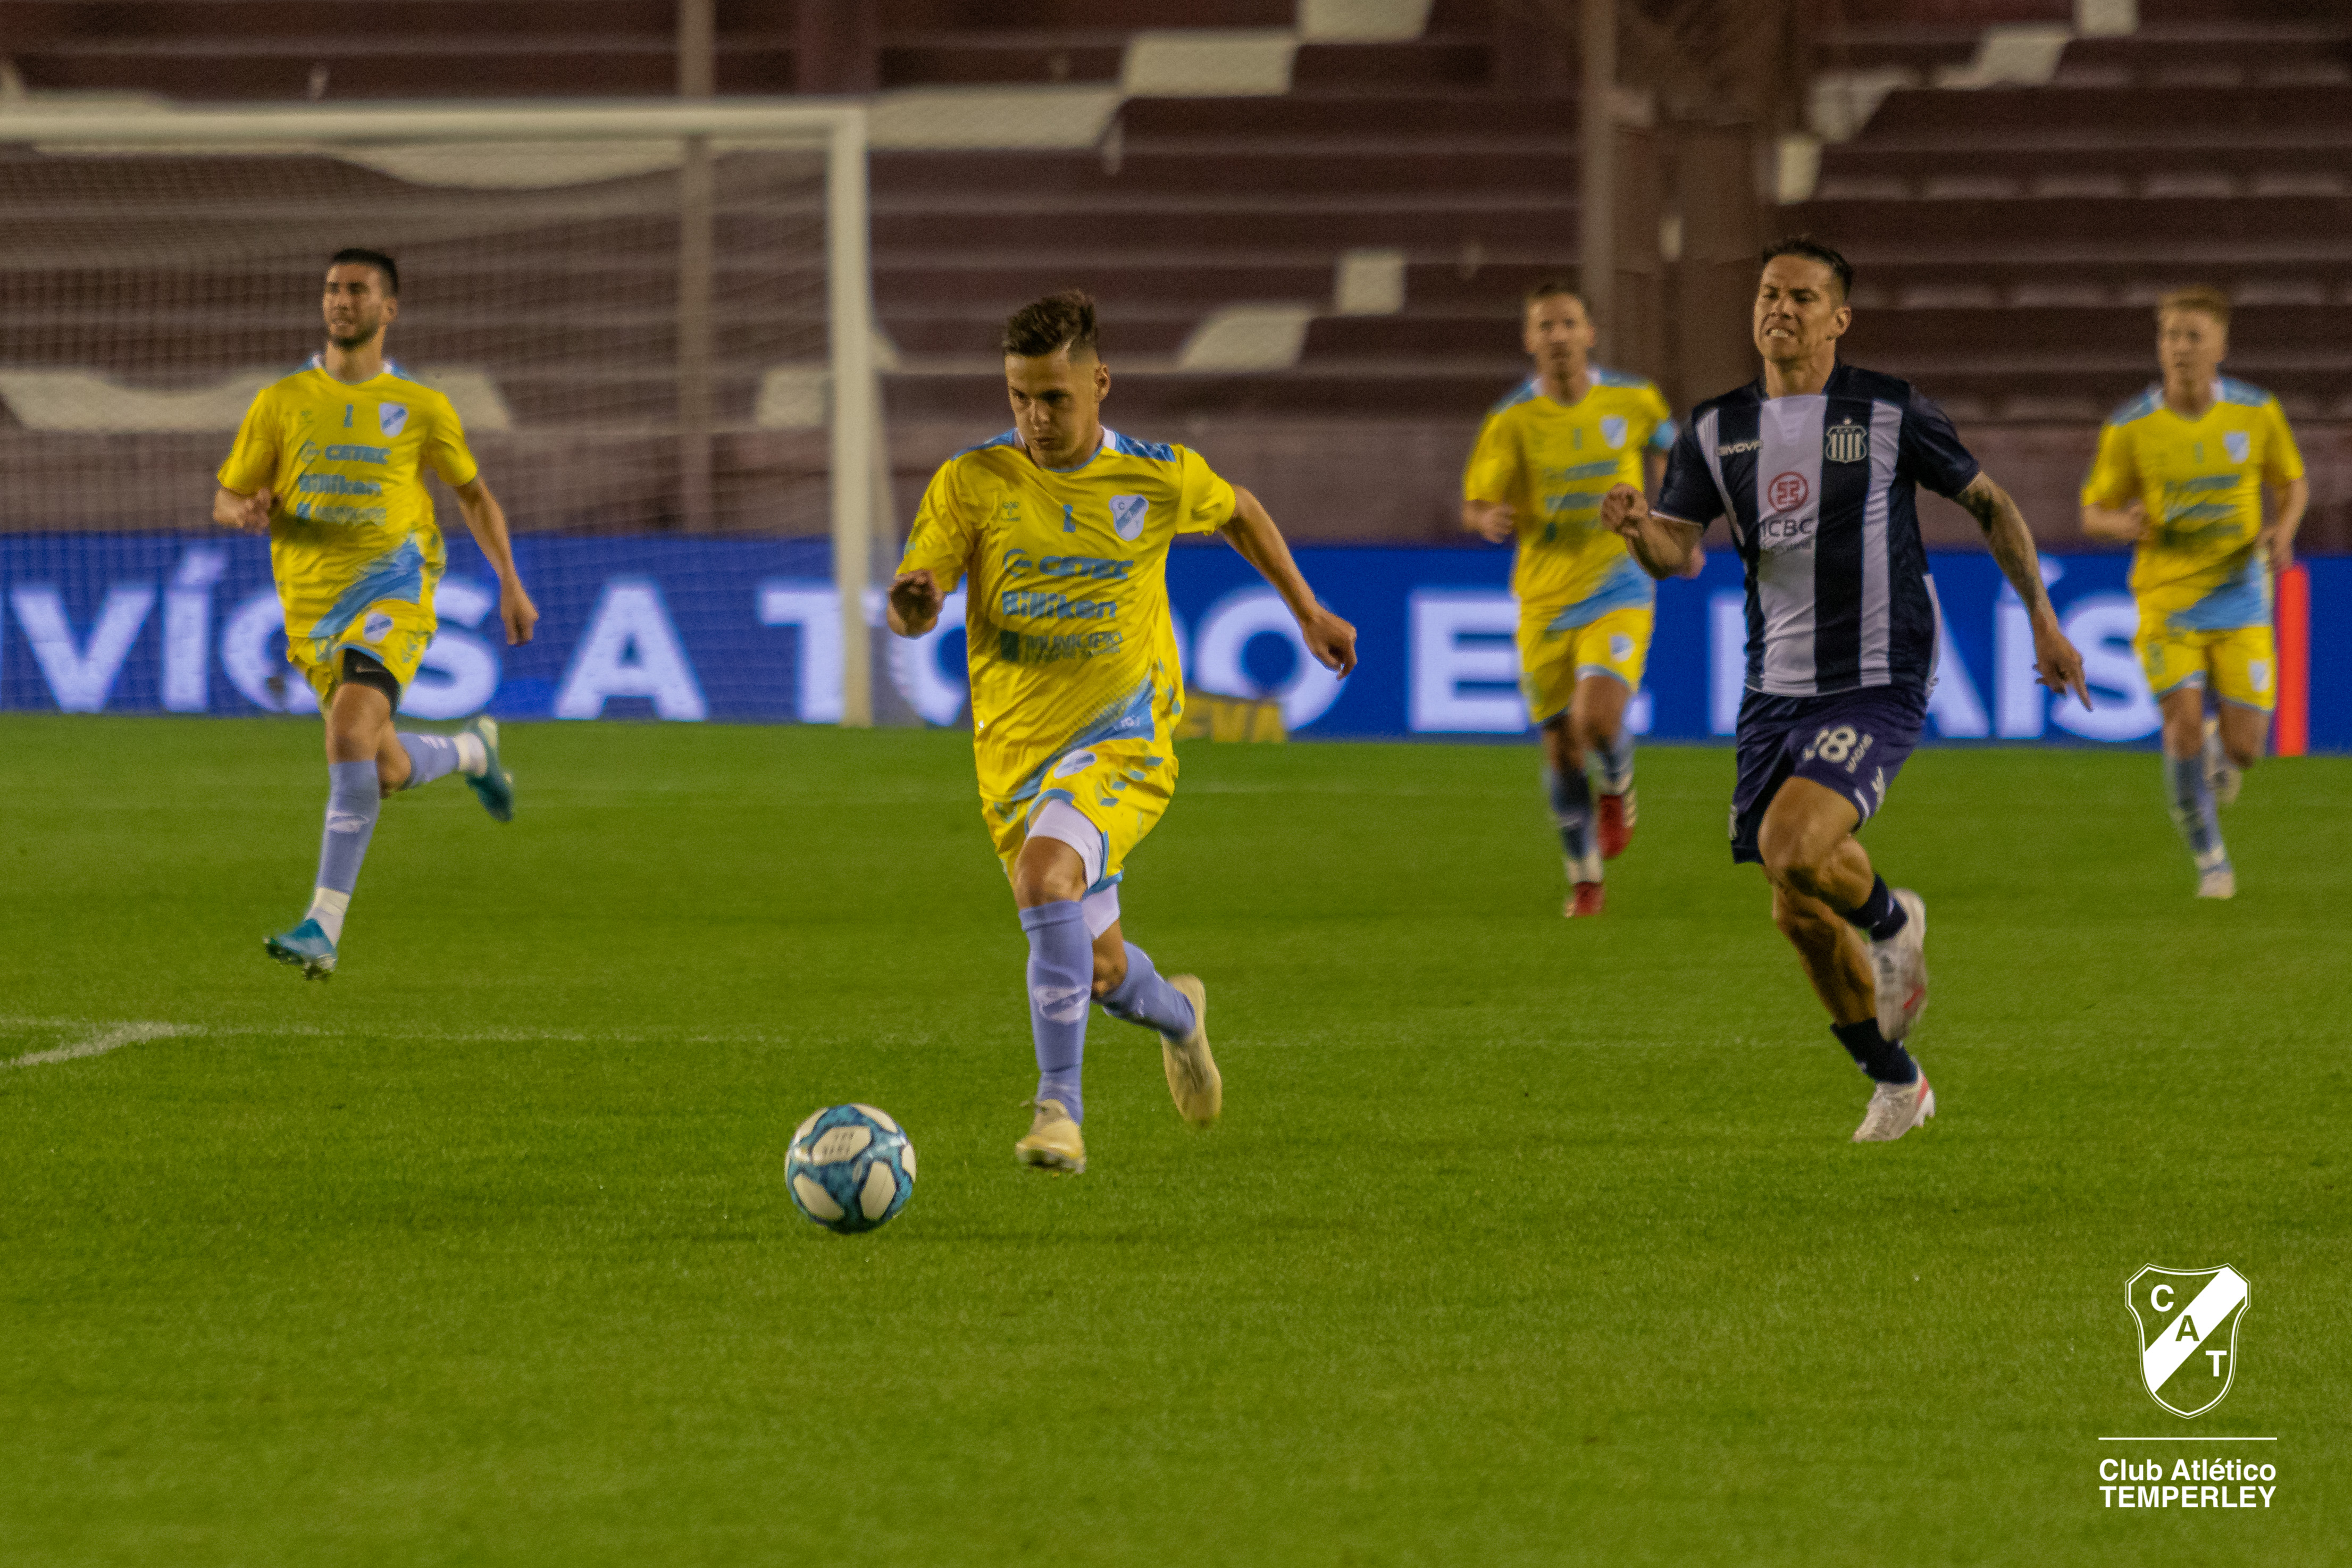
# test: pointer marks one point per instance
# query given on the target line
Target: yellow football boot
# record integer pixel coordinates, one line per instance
(1053, 1143)
(1194, 1081)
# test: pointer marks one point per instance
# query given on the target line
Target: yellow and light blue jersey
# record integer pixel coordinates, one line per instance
(1066, 616)
(2200, 568)
(350, 521)
(1553, 464)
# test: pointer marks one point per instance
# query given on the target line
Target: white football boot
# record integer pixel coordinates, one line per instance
(1899, 968)
(2219, 882)
(1194, 1081)
(1894, 1110)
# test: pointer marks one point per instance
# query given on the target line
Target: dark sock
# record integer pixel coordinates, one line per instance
(1880, 916)
(1884, 1061)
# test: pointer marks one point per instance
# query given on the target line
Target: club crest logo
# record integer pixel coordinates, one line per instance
(1613, 431)
(392, 417)
(1126, 516)
(2238, 444)
(1846, 443)
(377, 626)
(2188, 1320)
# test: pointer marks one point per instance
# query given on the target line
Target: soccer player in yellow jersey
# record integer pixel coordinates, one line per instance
(327, 463)
(1546, 457)
(2180, 473)
(1060, 529)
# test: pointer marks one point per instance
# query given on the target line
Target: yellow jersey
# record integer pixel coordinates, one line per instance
(2200, 568)
(1065, 619)
(343, 462)
(1552, 463)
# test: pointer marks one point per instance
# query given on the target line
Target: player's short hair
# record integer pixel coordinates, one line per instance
(1554, 288)
(1047, 325)
(1813, 249)
(356, 255)
(2203, 297)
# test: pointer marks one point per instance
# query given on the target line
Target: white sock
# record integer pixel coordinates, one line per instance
(473, 756)
(328, 907)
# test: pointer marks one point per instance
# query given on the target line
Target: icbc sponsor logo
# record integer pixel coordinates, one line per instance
(1788, 491)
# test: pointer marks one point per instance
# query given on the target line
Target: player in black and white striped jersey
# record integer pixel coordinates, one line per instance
(1816, 467)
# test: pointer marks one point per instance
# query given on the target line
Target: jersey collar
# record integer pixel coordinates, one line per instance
(1109, 442)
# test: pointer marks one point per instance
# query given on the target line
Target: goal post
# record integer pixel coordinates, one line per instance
(612, 142)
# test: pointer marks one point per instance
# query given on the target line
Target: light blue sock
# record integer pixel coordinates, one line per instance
(1144, 998)
(1571, 808)
(429, 757)
(353, 799)
(2192, 811)
(1617, 765)
(1061, 986)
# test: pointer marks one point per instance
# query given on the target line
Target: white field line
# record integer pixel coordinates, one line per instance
(106, 1037)
(113, 1037)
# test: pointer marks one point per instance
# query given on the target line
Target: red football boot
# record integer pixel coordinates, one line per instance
(1616, 824)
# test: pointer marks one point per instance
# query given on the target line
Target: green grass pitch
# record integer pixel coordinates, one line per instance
(1522, 1242)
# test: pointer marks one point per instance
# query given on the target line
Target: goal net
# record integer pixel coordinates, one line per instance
(654, 322)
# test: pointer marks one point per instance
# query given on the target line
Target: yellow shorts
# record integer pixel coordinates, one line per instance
(1551, 662)
(392, 631)
(1119, 786)
(2239, 665)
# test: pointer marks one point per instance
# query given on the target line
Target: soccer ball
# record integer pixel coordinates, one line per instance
(850, 1168)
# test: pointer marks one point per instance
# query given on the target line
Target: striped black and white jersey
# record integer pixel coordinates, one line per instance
(1821, 495)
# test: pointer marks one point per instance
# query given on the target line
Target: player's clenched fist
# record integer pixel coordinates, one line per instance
(1624, 509)
(247, 514)
(915, 601)
(1331, 639)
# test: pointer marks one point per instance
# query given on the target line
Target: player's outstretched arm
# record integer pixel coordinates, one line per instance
(1665, 546)
(486, 521)
(247, 514)
(1251, 531)
(913, 607)
(2055, 661)
(2278, 534)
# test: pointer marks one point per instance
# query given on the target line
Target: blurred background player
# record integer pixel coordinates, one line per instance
(327, 463)
(2180, 474)
(1816, 467)
(1544, 457)
(1061, 528)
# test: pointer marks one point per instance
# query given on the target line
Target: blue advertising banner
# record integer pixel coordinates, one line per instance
(749, 630)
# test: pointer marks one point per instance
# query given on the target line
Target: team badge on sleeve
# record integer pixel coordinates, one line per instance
(1126, 516)
(2188, 1321)
(392, 417)
(2239, 443)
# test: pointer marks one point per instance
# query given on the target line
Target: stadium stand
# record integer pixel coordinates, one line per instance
(1310, 222)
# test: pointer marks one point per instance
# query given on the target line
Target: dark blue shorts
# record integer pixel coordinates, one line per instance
(1853, 743)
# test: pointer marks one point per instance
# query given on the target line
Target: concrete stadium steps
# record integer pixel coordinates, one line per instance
(1182, 170)
(215, 49)
(2318, 53)
(2069, 117)
(1162, 404)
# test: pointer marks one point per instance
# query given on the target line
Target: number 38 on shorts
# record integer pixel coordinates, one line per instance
(1839, 743)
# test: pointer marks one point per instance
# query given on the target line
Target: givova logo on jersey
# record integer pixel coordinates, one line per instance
(2188, 1320)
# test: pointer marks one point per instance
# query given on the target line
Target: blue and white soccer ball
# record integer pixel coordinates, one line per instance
(850, 1168)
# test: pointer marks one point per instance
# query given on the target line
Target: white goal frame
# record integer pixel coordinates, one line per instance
(860, 471)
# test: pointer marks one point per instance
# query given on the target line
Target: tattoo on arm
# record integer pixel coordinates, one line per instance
(2006, 535)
